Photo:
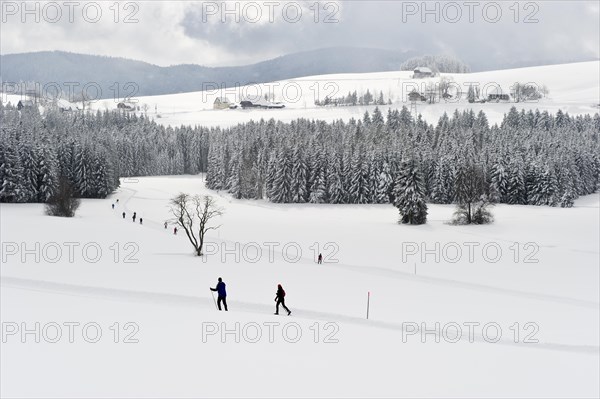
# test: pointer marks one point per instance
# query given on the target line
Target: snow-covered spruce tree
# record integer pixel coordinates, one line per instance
(542, 185)
(409, 195)
(282, 185)
(271, 175)
(359, 192)
(383, 182)
(516, 192)
(318, 181)
(235, 183)
(47, 178)
(214, 175)
(568, 198)
(11, 172)
(498, 182)
(299, 177)
(337, 194)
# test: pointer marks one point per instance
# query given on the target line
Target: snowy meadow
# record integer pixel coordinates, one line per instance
(409, 299)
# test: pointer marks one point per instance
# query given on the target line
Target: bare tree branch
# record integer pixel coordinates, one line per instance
(188, 211)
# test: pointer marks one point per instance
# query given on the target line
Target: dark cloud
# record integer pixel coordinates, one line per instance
(189, 32)
(484, 34)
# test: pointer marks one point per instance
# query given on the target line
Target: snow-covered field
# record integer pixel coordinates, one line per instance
(535, 266)
(574, 88)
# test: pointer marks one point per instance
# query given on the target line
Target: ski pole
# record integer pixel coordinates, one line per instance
(214, 300)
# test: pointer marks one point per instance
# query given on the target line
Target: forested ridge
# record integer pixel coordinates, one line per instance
(530, 158)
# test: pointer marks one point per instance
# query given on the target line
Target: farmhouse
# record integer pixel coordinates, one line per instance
(422, 72)
(416, 96)
(126, 107)
(258, 102)
(221, 103)
(497, 94)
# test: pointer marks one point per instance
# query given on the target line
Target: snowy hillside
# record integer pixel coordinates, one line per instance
(574, 88)
(536, 266)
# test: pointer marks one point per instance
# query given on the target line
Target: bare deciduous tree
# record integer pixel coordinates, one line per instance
(194, 214)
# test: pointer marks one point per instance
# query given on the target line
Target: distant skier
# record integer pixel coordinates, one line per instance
(280, 299)
(134, 216)
(222, 295)
(141, 221)
(113, 206)
(320, 259)
(166, 225)
(175, 231)
(117, 200)
(123, 215)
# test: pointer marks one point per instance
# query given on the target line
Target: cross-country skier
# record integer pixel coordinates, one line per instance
(123, 215)
(166, 225)
(280, 299)
(222, 295)
(141, 221)
(175, 231)
(320, 260)
(113, 206)
(133, 217)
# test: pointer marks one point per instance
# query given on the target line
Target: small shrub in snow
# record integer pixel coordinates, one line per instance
(62, 202)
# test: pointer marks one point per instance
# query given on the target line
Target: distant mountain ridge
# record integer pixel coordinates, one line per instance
(63, 67)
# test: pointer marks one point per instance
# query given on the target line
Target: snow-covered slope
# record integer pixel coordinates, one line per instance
(575, 88)
(535, 265)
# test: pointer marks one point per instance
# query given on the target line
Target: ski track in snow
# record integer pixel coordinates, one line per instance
(383, 271)
(248, 307)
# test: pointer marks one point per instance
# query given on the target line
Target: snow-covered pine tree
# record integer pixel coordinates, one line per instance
(282, 185)
(299, 176)
(409, 196)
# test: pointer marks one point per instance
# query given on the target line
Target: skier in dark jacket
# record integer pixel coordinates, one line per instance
(280, 299)
(133, 217)
(141, 221)
(222, 294)
(123, 215)
(320, 259)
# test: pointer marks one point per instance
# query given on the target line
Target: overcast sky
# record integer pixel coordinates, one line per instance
(206, 33)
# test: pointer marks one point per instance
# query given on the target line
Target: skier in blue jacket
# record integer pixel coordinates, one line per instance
(222, 294)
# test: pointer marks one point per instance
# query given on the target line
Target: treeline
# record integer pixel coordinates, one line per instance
(91, 150)
(354, 99)
(530, 158)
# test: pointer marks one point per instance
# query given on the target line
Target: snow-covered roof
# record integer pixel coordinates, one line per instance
(423, 70)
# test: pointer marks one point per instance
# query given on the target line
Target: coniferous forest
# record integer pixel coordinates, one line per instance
(530, 158)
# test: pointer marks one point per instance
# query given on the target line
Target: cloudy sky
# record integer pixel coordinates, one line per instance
(241, 32)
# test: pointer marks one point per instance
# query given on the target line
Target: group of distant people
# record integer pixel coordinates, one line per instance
(222, 297)
(134, 217)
